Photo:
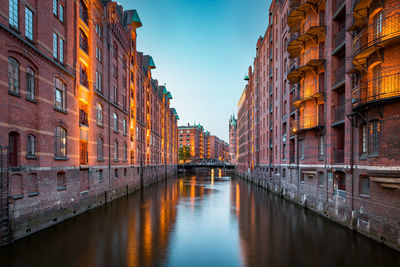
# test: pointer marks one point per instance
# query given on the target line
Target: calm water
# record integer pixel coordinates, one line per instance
(198, 221)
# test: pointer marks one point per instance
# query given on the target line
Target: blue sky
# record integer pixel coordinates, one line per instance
(202, 50)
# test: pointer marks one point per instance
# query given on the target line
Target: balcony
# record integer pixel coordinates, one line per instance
(382, 33)
(309, 122)
(340, 38)
(299, 8)
(380, 89)
(339, 77)
(308, 91)
(313, 25)
(339, 114)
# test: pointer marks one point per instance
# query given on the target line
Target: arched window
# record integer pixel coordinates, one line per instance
(60, 135)
(31, 146)
(100, 145)
(59, 99)
(99, 114)
(13, 148)
(116, 150)
(33, 186)
(365, 185)
(83, 41)
(16, 186)
(83, 12)
(30, 83)
(13, 75)
(115, 119)
(61, 181)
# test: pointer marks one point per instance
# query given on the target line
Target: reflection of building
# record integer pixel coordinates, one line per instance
(233, 139)
(320, 110)
(85, 115)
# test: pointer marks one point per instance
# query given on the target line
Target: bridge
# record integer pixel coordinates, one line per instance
(205, 165)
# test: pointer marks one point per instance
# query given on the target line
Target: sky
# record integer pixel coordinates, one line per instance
(202, 50)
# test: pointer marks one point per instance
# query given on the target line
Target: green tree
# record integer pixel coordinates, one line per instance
(184, 153)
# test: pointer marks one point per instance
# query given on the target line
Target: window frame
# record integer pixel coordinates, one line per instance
(60, 146)
(374, 138)
(361, 186)
(13, 12)
(14, 79)
(29, 34)
(31, 146)
(30, 83)
(63, 95)
(100, 114)
(116, 150)
(100, 149)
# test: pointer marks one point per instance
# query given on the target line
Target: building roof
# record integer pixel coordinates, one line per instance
(132, 17)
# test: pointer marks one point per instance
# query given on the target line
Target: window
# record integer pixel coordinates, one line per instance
(365, 185)
(83, 41)
(55, 45)
(115, 119)
(321, 147)
(115, 71)
(301, 149)
(374, 131)
(33, 186)
(124, 106)
(30, 83)
(61, 15)
(13, 148)
(16, 186)
(13, 75)
(98, 54)
(115, 51)
(99, 80)
(116, 173)
(101, 176)
(125, 151)
(100, 145)
(83, 12)
(99, 114)
(60, 142)
(28, 23)
(13, 13)
(99, 30)
(30, 146)
(363, 138)
(124, 127)
(321, 180)
(116, 150)
(55, 5)
(61, 58)
(61, 181)
(115, 94)
(60, 100)
(83, 114)
(377, 30)
(83, 77)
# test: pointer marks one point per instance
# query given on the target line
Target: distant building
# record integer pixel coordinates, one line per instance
(233, 139)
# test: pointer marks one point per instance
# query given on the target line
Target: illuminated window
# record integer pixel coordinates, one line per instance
(374, 132)
(321, 147)
(59, 100)
(13, 75)
(83, 77)
(83, 114)
(377, 25)
(363, 138)
(60, 142)
(28, 23)
(83, 41)
(13, 13)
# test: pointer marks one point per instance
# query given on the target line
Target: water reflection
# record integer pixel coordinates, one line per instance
(198, 221)
(276, 232)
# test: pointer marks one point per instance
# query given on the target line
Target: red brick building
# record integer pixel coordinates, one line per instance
(318, 120)
(233, 139)
(83, 120)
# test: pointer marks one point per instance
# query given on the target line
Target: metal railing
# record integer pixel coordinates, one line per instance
(309, 121)
(380, 88)
(337, 4)
(376, 32)
(340, 75)
(339, 113)
(308, 89)
(313, 53)
(311, 21)
(340, 37)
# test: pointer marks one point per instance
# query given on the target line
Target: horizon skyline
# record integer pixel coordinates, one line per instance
(207, 29)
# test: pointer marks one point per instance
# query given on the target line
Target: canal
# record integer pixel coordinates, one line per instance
(198, 221)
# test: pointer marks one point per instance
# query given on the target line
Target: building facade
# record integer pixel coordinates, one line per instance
(84, 121)
(318, 118)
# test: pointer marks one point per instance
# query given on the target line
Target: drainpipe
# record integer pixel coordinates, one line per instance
(109, 106)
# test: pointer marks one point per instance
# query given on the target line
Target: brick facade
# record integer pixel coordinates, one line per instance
(83, 119)
(318, 120)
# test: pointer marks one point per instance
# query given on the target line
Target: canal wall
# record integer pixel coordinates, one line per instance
(74, 191)
(375, 223)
